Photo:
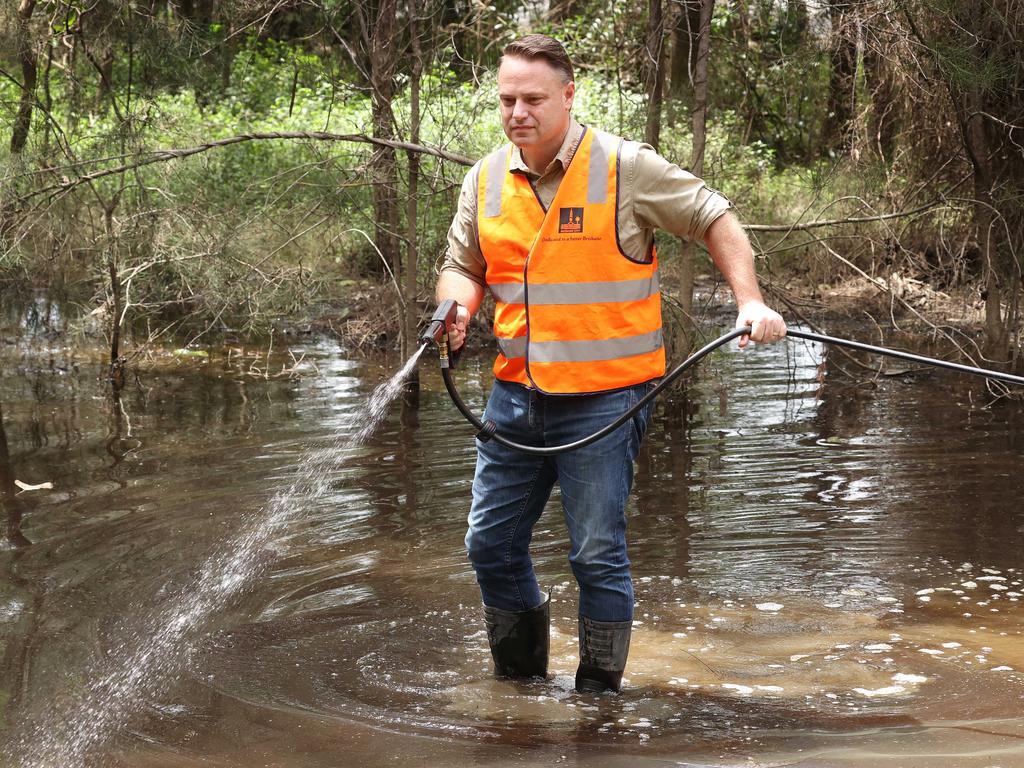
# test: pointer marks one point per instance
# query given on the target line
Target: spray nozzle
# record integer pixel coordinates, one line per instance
(438, 326)
(437, 331)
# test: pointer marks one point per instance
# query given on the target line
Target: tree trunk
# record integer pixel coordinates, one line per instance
(9, 495)
(184, 9)
(700, 109)
(882, 119)
(116, 374)
(8, 490)
(655, 50)
(700, 88)
(963, 41)
(105, 90)
(837, 131)
(979, 150)
(685, 34)
(227, 46)
(560, 11)
(410, 314)
(115, 312)
(203, 13)
(48, 99)
(384, 166)
(73, 83)
(29, 65)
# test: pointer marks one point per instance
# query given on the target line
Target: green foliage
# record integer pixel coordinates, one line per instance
(244, 233)
(228, 236)
(772, 76)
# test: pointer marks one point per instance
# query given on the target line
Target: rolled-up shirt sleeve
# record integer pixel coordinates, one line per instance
(667, 197)
(464, 255)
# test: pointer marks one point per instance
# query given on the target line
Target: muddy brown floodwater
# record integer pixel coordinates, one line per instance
(827, 573)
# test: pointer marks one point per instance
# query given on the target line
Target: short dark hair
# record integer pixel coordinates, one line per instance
(534, 47)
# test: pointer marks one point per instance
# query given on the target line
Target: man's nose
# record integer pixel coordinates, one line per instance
(519, 111)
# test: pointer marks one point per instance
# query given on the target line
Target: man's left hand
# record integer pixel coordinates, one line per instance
(766, 325)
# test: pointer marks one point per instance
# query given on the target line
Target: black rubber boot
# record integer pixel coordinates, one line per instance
(604, 646)
(519, 640)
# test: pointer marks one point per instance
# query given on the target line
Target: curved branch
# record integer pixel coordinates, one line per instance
(837, 222)
(162, 155)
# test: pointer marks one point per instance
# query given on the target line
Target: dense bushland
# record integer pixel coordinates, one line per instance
(141, 179)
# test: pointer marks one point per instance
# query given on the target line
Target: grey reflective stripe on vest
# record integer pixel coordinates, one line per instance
(495, 181)
(597, 176)
(606, 291)
(593, 351)
(597, 172)
(601, 292)
(508, 293)
(512, 347)
(588, 351)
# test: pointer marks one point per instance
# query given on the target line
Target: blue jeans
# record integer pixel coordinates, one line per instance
(511, 488)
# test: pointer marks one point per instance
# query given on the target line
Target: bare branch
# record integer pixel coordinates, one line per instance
(162, 155)
(849, 220)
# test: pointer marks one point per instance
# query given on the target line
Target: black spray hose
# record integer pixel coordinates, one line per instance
(486, 431)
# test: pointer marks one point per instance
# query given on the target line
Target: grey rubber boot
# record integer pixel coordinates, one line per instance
(519, 640)
(604, 646)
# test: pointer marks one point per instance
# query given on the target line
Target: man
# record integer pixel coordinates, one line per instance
(559, 227)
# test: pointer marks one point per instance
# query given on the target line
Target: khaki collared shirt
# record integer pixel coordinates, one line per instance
(653, 193)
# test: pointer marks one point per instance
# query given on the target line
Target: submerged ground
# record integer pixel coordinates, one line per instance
(828, 573)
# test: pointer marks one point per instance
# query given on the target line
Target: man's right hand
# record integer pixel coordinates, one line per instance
(457, 329)
(452, 284)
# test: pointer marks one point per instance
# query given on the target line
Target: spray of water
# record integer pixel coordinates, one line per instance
(141, 665)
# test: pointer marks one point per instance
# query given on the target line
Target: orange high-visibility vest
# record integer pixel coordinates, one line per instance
(573, 313)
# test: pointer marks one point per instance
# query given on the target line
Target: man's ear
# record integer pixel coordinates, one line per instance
(569, 94)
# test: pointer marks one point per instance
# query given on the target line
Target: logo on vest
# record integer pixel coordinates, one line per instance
(570, 221)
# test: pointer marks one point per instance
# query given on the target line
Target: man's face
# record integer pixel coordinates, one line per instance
(535, 101)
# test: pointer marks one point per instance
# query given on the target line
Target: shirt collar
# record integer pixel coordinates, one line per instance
(564, 156)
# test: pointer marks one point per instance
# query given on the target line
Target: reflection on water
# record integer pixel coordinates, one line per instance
(827, 573)
(160, 643)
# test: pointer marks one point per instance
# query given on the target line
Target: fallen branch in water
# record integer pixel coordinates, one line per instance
(29, 487)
